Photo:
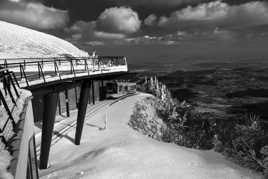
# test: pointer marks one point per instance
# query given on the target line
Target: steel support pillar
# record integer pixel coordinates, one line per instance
(101, 90)
(59, 105)
(50, 107)
(67, 103)
(38, 108)
(93, 92)
(82, 108)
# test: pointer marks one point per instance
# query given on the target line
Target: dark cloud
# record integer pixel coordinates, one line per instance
(89, 10)
(97, 20)
(32, 14)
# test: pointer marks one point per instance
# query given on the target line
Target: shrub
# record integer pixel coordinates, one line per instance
(242, 138)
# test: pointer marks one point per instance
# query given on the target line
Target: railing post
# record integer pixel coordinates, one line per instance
(24, 74)
(2, 98)
(7, 86)
(41, 71)
(13, 85)
(16, 80)
(21, 71)
(24, 62)
(57, 69)
(42, 62)
(6, 66)
(72, 68)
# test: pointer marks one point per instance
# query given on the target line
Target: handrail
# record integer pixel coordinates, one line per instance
(44, 68)
(49, 59)
(8, 82)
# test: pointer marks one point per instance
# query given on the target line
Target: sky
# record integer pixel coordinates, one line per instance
(196, 23)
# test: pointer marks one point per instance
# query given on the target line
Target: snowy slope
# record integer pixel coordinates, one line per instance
(119, 152)
(19, 42)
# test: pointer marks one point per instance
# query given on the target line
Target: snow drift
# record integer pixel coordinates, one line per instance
(21, 42)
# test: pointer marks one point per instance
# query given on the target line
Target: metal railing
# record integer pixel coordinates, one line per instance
(42, 70)
(8, 96)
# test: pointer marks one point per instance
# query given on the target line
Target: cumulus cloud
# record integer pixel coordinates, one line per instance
(150, 20)
(81, 27)
(218, 13)
(80, 31)
(208, 11)
(119, 20)
(34, 15)
(86, 31)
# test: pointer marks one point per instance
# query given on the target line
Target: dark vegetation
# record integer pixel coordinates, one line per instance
(224, 109)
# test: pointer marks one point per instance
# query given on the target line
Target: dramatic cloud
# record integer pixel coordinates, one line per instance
(81, 30)
(210, 11)
(34, 15)
(119, 20)
(218, 13)
(150, 20)
(87, 33)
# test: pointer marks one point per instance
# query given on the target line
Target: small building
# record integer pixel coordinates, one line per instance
(116, 89)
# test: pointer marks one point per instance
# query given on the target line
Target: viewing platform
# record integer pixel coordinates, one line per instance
(30, 90)
(31, 72)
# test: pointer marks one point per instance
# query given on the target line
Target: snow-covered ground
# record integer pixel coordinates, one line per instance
(5, 159)
(120, 152)
(21, 42)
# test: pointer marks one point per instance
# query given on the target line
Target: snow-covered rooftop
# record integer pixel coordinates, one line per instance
(21, 42)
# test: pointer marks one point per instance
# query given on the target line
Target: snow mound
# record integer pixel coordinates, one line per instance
(21, 42)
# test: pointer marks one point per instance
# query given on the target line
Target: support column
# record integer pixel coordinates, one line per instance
(59, 105)
(101, 90)
(93, 92)
(50, 107)
(76, 98)
(82, 108)
(38, 108)
(67, 103)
